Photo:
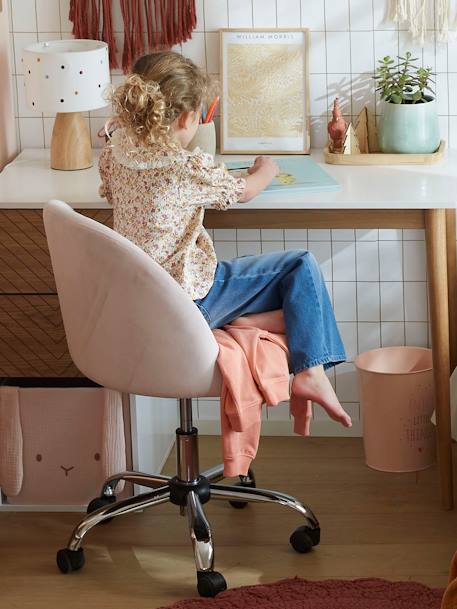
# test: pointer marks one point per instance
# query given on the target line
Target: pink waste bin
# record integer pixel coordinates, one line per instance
(397, 402)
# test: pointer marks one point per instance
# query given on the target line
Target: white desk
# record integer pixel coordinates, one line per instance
(403, 196)
(28, 182)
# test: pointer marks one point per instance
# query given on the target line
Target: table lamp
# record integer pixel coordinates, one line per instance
(67, 77)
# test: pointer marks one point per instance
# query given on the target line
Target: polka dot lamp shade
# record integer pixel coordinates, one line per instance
(66, 75)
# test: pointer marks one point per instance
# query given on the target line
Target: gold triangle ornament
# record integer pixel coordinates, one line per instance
(373, 144)
(367, 131)
(351, 141)
(361, 131)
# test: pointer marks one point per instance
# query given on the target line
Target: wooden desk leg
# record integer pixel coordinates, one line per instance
(435, 230)
(452, 283)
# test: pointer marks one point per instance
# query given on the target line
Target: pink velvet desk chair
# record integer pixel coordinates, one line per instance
(130, 327)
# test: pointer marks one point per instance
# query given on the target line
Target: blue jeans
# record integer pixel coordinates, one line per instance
(291, 281)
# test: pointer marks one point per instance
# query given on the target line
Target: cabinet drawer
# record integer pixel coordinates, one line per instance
(25, 265)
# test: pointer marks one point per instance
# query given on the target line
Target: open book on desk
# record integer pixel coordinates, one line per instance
(297, 173)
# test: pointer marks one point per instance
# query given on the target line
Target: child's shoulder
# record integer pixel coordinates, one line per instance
(202, 163)
(199, 157)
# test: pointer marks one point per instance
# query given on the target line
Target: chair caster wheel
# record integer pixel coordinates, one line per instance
(70, 560)
(210, 583)
(100, 502)
(246, 482)
(304, 538)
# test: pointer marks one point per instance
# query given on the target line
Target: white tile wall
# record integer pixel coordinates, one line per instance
(376, 278)
(347, 37)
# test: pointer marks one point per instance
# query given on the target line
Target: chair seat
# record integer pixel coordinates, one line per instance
(215, 390)
(212, 390)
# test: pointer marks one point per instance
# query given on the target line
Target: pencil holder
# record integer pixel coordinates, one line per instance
(205, 138)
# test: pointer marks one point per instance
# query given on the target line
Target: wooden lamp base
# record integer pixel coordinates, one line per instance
(71, 147)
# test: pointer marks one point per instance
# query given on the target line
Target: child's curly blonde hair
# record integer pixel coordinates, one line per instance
(160, 87)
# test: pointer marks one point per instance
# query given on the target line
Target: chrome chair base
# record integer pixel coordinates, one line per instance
(189, 490)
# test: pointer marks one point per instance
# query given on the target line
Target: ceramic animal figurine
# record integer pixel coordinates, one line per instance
(337, 128)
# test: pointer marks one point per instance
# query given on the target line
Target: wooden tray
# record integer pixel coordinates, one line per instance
(380, 158)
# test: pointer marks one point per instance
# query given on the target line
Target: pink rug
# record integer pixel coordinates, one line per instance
(299, 593)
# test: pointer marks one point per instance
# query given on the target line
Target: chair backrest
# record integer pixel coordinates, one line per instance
(129, 325)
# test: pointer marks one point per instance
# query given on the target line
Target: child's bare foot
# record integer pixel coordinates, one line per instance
(313, 384)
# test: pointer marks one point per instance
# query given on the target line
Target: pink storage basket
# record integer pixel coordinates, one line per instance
(397, 402)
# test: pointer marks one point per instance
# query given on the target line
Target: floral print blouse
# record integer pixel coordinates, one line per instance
(158, 197)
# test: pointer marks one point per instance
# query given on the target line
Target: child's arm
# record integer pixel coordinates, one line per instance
(260, 175)
(205, 183)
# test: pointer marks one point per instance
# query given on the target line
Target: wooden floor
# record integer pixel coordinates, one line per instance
(373, 525)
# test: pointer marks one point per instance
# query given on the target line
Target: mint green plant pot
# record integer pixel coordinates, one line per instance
(409, 128)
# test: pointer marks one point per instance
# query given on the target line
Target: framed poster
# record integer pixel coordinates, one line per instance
(265, 91)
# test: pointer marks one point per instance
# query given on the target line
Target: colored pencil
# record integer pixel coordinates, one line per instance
(211, 110)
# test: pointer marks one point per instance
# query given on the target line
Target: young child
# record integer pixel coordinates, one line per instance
(158, 190)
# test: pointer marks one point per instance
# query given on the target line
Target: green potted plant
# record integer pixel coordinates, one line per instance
(409, 120)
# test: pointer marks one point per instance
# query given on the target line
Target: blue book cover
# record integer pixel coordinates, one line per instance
(297, 173)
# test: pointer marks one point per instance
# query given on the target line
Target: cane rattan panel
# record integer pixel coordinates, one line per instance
(32, 337)
(25, 265)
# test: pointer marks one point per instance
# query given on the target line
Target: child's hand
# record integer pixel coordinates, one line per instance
(266, 164)
(259, 176)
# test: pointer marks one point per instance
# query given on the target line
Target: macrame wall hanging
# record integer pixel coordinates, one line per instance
(420, 16)
(164, 22)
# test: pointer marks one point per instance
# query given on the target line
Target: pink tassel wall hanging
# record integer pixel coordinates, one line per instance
(166, 23)
(127, 54)
(108, 34)
(94, 19)
(137, 29)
